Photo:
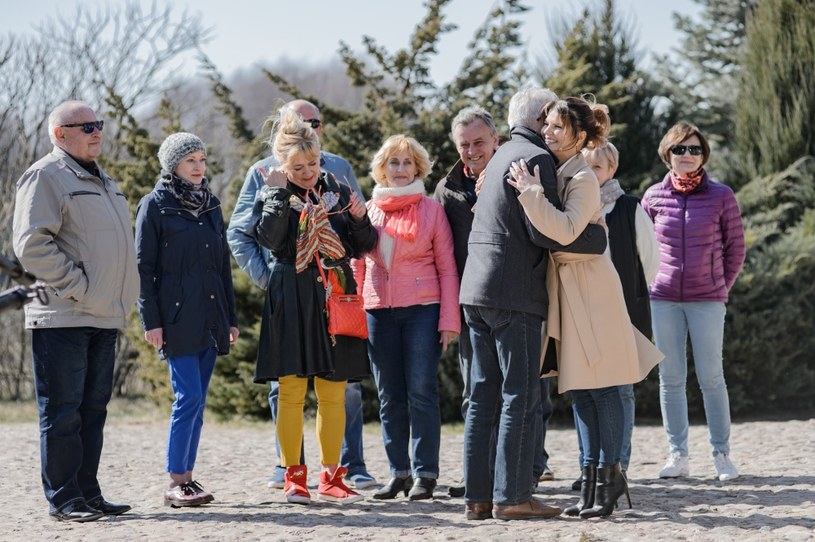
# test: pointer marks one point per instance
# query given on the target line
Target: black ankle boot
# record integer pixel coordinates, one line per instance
(587, 485)
(611, 484)
(422, 489)
(393, 488)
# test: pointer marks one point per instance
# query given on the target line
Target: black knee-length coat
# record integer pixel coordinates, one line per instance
(294, 336)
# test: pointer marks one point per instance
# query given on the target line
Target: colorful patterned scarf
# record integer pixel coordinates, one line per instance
(314, 232)
(688, 183)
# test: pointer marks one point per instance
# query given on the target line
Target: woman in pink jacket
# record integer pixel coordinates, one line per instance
(410, 286)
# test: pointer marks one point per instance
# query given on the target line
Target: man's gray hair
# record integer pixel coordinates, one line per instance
(526, 105)
(61, 114)
(471, 114)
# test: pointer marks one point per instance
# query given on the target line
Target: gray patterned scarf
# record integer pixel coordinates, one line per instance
(194, 197)
(610, 191)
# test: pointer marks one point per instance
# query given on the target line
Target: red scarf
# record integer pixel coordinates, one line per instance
(401, 215)
(689, 183)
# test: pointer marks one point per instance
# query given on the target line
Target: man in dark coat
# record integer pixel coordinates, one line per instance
(505, 304)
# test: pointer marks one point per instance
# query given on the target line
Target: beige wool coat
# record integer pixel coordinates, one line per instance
(597, 346)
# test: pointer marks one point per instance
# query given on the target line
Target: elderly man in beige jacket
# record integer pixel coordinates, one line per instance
(72, 230)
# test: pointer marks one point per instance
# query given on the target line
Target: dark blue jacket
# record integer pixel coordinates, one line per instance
(186, 280)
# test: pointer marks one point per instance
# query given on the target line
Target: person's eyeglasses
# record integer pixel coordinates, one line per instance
(87, 127)
(315, 123)
(679, 150)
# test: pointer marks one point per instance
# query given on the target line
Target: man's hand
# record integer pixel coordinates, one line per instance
(155, 337)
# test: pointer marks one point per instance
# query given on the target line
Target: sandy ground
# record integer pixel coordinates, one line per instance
(773, 500)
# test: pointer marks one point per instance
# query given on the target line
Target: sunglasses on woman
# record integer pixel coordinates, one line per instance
(87, 127)
(679, 150)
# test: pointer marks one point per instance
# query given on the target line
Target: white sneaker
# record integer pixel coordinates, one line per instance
(675, 467)
(725, 469)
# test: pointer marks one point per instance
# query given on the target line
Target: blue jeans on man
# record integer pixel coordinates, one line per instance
(73, 377)
(352, 457)
(504, 388)
(404, 349)
(545, 412)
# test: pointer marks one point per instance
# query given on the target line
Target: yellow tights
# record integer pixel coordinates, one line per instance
(330, 418)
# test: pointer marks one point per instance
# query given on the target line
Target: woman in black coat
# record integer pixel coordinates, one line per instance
(302, 202)
(187, 304)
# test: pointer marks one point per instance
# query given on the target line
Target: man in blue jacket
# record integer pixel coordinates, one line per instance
(255, 260)
(503, 292)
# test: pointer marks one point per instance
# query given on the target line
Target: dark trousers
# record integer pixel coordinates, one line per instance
(73, 376)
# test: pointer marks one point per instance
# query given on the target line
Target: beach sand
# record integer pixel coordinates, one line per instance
(774, 499)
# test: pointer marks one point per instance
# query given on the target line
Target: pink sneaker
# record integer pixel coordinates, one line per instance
(296, 489)
(333, 489)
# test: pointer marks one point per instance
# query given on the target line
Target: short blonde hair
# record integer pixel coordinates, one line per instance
(606, 150)
(290, 136)
(393, 145)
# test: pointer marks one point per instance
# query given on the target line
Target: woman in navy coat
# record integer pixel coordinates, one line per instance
(187, 304)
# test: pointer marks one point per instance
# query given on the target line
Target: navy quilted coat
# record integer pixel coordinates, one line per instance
(701, 241)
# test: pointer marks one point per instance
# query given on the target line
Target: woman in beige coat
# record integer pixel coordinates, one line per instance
(597, 347)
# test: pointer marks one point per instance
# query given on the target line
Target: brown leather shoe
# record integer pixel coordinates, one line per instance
(531, 509)
(479, 510)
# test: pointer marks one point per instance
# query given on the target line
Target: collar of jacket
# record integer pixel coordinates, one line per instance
(78, 170)
(456, 174)
(534, 137)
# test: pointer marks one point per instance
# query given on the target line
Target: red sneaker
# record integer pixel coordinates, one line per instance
(333, 489)
(296, 489)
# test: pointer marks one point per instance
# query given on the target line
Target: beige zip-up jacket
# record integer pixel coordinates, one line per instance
(72, 230)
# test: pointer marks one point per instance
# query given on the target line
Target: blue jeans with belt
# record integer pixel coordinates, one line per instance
(504, 391)
(73, 378)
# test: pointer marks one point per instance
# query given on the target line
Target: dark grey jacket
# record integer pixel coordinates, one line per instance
(508, 257)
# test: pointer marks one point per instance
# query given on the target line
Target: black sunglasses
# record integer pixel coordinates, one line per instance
(679, 150)
(87, 127)
(315, 123)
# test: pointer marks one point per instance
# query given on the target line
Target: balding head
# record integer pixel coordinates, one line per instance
(308, 112)
(66, 113)
(66, 128)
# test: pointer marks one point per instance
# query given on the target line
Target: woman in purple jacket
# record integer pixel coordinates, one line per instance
(701, 238)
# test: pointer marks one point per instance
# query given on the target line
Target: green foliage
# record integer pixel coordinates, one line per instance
(597, 55)
(771, 314)
(774, 126)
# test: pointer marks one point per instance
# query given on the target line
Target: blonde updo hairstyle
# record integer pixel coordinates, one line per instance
(581, 114)
(394, 145)
(291, 136)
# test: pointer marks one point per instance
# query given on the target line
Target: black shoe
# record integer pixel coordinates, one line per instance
(77, 511)
(393, 487)
(108, 508)
(611, 485)
(587, 486)
(422, 489)
(577, 483)
(456, 490)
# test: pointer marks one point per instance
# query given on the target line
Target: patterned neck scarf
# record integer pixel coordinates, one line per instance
(610, 191)
(688, 183)
(314, 232)
(194, 197)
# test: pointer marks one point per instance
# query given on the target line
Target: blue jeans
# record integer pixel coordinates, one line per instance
(73, 378)
(465, 361)
(352, 457)
(599, 417)
(629, 403)
(404, 348)
(704, 321)
(190, 376)
(505, 390)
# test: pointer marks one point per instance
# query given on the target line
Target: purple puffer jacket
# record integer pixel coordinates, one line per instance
(701, 241)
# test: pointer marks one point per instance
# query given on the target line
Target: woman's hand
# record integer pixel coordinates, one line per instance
(480, 182)
(274, 177)
(521, 178)
(233, 335)
(357, 208)
(447, 337)
(155, 337)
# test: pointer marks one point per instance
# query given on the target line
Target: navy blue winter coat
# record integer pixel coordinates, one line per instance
(186, 279)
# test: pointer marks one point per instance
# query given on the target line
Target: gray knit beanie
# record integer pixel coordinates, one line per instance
(176, 147)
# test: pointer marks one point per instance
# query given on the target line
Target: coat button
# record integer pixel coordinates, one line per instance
(200, 223)
(319, 279)
(206, 245)
(212, 296)
(177, 303)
